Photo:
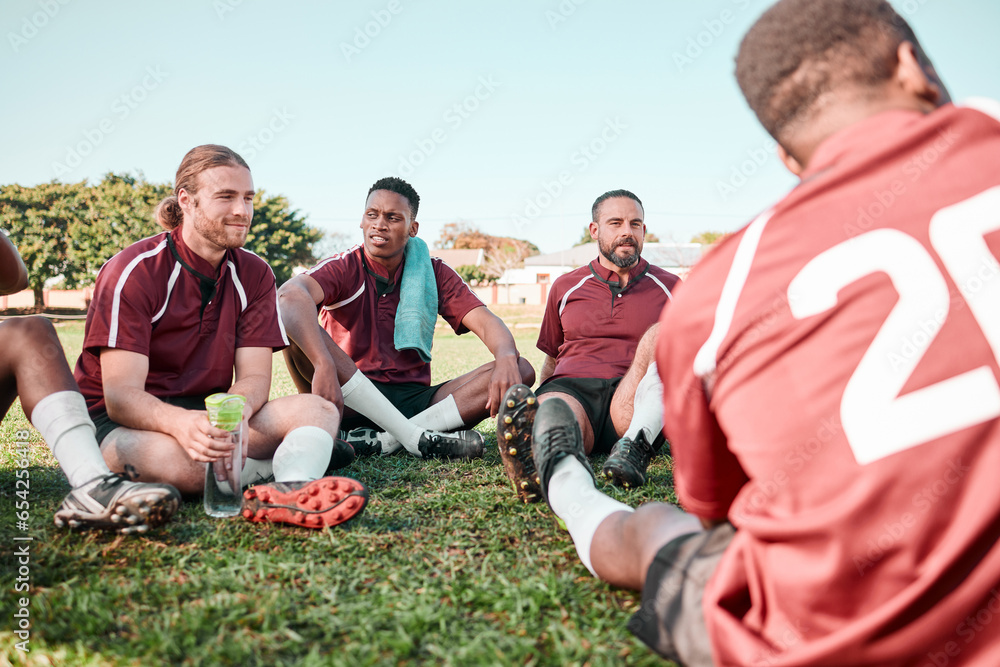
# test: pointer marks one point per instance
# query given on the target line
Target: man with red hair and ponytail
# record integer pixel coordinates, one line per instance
(173, 316)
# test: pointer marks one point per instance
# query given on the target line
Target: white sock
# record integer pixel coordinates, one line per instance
(361, 396)
(443, 416)
(256, 470)
(63, 421)
(303, 455)
(574, 499)
(647, 406)
(389, 444)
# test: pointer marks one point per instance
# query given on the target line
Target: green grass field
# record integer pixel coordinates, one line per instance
(444, 567)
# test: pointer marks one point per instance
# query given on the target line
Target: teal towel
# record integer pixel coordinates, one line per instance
(418, 301)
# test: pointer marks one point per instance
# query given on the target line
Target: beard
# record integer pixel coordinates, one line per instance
(215, 230)
(610, 254)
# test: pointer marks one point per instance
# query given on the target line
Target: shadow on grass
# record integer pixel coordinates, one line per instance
(444, 567)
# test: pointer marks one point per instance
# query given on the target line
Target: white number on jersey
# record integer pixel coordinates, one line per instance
(878, 421)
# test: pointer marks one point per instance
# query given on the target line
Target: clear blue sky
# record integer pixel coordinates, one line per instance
(483, 106)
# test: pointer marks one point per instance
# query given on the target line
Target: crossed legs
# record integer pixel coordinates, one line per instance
(159, 457)
(457, 404)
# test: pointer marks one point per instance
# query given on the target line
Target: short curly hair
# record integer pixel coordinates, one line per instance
(801, 50)
(400, 187)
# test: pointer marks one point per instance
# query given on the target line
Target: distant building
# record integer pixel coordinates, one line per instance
(51, 298)
(463, 257)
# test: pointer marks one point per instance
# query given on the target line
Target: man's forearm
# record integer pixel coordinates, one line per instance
(138, 409)
(498, 339)
(256, 389)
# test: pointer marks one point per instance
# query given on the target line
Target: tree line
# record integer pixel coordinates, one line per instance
(68, 230)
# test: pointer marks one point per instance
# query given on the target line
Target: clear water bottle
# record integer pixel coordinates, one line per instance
(223, 493)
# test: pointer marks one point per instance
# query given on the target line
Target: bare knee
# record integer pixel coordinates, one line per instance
(33, 325)
(290, 412)
(33, 356)
(32, 334)
(35, 340)
(317, 411)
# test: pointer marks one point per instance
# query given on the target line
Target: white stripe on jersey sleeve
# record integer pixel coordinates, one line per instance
(170, 288)
(662, 286)
(281, 325)
(332, 258)
(725, 309)
(562, 304)
(116, 299)
(335, 306)
(239, 285)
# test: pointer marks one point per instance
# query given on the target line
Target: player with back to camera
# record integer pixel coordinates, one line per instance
(840, 478)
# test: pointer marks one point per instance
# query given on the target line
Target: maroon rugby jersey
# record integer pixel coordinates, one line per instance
(147, 301)
(836, 396)
(359, 312)
(592, 328)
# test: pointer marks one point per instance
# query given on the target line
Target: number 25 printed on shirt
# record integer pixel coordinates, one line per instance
(878, 421)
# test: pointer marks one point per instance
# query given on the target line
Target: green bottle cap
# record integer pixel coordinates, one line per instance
(225, 411)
